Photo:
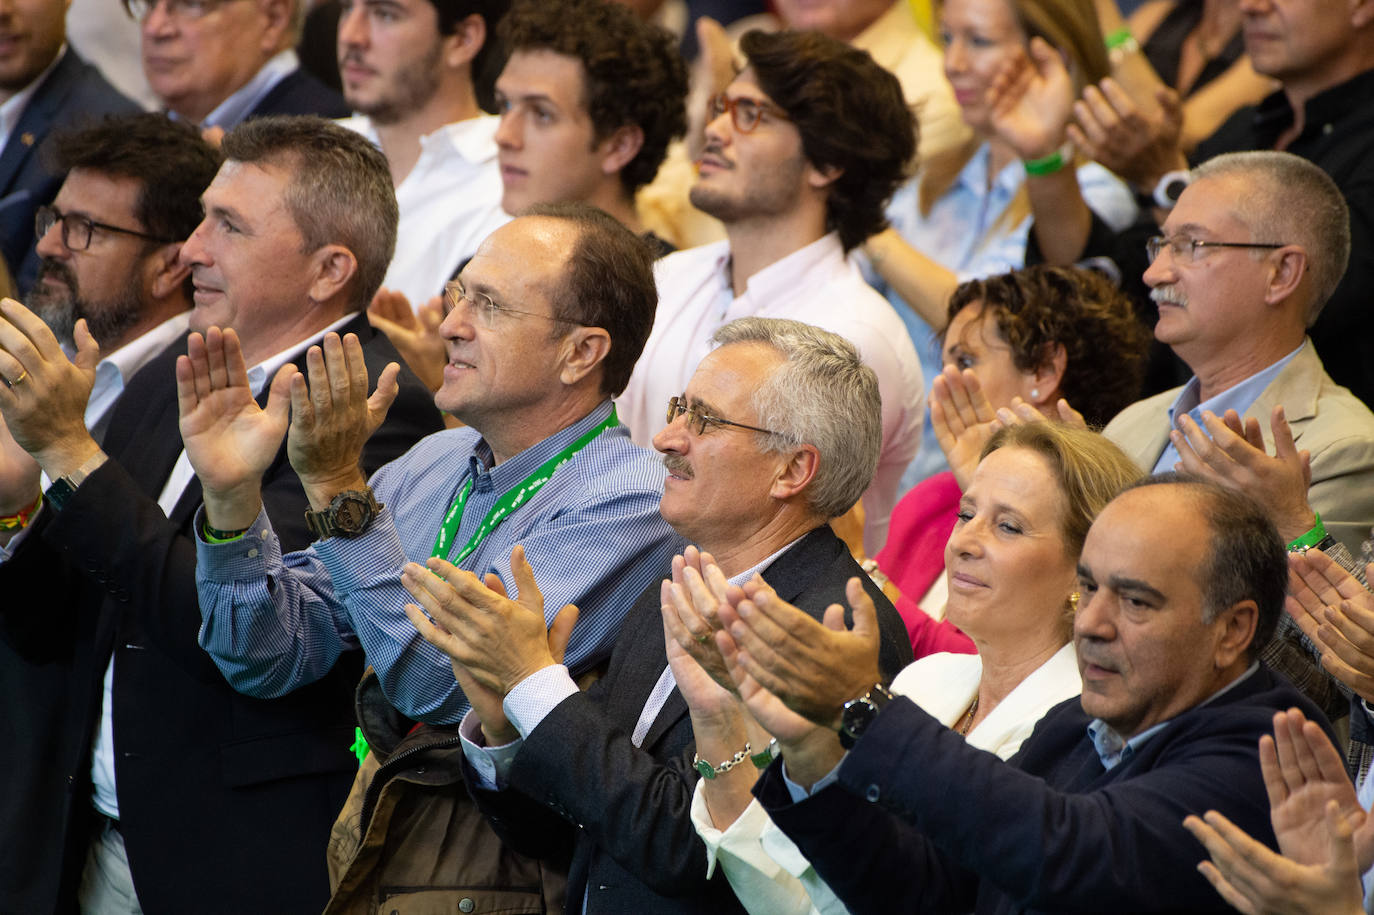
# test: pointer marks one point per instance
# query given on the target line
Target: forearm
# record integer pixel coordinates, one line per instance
(921, 282)
(1062, 220)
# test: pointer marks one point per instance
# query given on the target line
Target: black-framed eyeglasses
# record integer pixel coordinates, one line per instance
(699, 421)
(745, 113)
(486, 307)
(140, 10)
(76, 229)
(1187, 250)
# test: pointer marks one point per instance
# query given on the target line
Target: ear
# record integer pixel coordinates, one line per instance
(823, 176)
(620, 148)
(1287, 267)
(584, 349)
(1361, 13)
(467, 40)
(1048, 375)
(334, 268)
(168, 272)
(797, 473)
(1237, 630)
(277, 14)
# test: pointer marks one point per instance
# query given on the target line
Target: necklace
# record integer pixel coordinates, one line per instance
(966, 720)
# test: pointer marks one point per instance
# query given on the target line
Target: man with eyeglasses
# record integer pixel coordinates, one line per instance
(802, 152)
(138, 778)
(1245, 262)
(216, 63)
(777, 432)
(45, 86)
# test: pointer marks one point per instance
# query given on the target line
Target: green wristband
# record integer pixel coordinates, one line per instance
(763, 759)
(1121, 39)
(1315, 535)
(1046, 165)
(215, 535)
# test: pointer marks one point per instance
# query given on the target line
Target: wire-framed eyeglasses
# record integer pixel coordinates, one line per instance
(699, 421)
(486, 307)
(1186, 249)
(77, 229)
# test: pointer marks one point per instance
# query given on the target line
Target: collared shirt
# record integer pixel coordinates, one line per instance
(533, 698)
(814, 284)
(114, 370)
(1113, 749)
(241, 103)
(593, 535)
(104, 795)
(1238, 397)
(962, 233)
(449, 203)
(13, 108)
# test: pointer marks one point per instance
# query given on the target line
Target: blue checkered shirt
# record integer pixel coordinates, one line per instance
(593, 534)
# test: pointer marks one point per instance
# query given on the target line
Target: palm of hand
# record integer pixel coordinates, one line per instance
(229, 438)
(1031, 109)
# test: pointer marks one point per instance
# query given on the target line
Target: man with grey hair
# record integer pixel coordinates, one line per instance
(1249, 255)
(218, 64)
(777, 432)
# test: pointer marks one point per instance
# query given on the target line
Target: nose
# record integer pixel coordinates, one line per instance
(457, 323)
(720, 127)
(194, 251)
(673, 437)
(1162, 270)
(956, 56)
(509, 133)
(1093, 619)
(50, 242)
(967, 538)
(159, 22)
(352, 28)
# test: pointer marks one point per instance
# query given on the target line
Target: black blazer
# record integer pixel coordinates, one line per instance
(301, 93)
(626, 811)
(225, 801)
(74, 95)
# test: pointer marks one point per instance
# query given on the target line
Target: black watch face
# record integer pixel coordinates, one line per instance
(857, 716)
(352, 515)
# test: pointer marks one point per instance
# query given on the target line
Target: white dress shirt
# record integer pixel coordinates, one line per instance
(450, 202)
(815, 285)
(115, 370)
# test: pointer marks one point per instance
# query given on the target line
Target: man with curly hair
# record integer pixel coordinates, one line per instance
(802, 152)
(589, 99)
(412, 70)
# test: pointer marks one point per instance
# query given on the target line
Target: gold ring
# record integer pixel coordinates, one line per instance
(22, 375)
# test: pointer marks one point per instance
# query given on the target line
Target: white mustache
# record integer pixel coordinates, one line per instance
(1172, 294)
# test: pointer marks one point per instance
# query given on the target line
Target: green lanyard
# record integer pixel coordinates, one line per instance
(512, 500)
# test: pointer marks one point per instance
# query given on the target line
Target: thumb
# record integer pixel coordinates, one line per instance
(526, 588)
(561, 631)
(865, 614)
(279, 394)
(385, 394)
(87, 349)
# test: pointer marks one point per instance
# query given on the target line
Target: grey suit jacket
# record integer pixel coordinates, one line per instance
(1327, 420)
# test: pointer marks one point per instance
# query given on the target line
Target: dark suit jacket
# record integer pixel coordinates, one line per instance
(301, 93)
(73, 95)
(950, 828)
(225, 801)
(632, 837)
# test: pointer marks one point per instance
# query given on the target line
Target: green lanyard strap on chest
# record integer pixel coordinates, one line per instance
(515, 497)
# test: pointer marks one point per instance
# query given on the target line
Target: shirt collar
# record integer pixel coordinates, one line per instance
(514, 470)
(259, 374)
(473, 139)
(238, 105)
(1113, 749)
(808, 267)
(1274, 114)
(1238, 397)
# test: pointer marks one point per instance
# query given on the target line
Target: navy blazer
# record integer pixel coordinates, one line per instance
(225, 801)
(301, 93)
(626, 811)
(922, 822)
(74, 95)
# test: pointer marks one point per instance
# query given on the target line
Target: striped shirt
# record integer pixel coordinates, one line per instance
(593, 535)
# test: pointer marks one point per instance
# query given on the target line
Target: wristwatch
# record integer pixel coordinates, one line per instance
(859, 714)
(1171, 187)
(64, 487)
(348, 515)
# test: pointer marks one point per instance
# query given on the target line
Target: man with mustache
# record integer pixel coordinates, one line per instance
(802, 151)
(416, 74)
(1245, 262)
(776, 433)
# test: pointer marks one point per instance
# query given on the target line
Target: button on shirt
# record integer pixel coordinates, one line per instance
(449, 203)
(593, 534)
(1238, 397)
(815, 285)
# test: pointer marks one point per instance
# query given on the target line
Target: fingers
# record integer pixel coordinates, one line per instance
(87, 349)
(26, 336)
(441, 639)
(527, 589)
(865, 614)
(279, 393)
(560, 631)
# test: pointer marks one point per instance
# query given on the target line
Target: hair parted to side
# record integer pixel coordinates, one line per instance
(851, 116)
(340, 191)
(169, 160)
(823, 395)
(634, 75)
(1089, 469)
(609, 284)
(1246, 560)
(1038, 308)
(1290, 201)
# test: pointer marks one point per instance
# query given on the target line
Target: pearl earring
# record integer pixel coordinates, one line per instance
(1035, 393)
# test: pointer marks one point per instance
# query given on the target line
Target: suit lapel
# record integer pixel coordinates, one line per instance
(33, 125)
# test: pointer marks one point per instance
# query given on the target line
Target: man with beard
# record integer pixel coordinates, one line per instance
(411, 69)
(802, 152)
(108, 244)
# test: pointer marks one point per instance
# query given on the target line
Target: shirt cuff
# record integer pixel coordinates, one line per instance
(537, 695)
(799, 793)
(492, 764)
(244, 559)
